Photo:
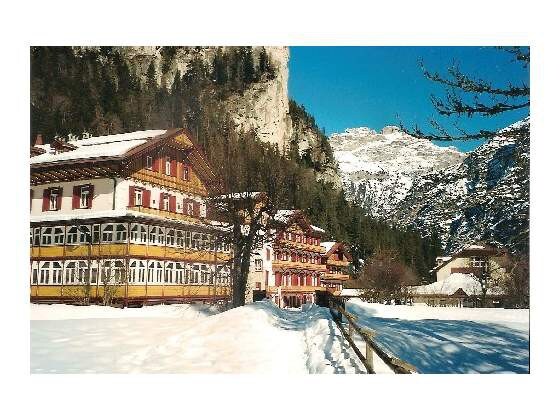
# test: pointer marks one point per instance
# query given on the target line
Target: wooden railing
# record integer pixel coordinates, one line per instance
(338, 313)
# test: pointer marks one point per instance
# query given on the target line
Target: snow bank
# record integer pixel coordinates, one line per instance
(256, 338)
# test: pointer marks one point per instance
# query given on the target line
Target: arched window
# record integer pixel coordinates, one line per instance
(82, 269)
(180, 239)
(70, 272)
(46, 236)
(57, 272)
(195, 274)
(169, 272)
(45, 273)
(160, 236)
(153, 235)
(179, 270)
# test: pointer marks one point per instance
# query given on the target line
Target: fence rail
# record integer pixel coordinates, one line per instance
(338, 312)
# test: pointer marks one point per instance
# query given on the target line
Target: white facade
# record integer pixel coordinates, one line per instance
(103, 194)
(260, 271)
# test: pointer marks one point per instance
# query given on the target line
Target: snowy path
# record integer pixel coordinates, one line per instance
(450, 340)
(257, 338)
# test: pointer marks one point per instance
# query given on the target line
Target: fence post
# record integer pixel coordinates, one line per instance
(369, 348)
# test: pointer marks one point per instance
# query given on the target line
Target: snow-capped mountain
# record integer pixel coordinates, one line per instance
(481, 195)
(379, 169)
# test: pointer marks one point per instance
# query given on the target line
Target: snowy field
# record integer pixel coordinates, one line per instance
(257, 338)
(450, 340)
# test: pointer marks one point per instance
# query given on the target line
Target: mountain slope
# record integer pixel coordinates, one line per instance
(483, 195)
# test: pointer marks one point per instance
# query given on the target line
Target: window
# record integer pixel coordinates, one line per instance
(258, 265)
(36, 236)
(167, 165)
(169, 272)
(138, 233)
(180, 239)
(84, 197)
(58, 235)
(153, 235)
(108, 233)
(96, 233)
(479, 262)
(70, 272)
(204, 274)
(34, 273)
(46, 236)
(170, 237)
(179, 269)
(160, 236)
(121, 233)
(149, 162)
(195, 274)
(188, 239)
(72, 235)
(85, 234)
(195, 241)
(137, 196)
(189, 208)
(186, 172)
(258, 285)
(165, 199)
(53, 199)
(82, 270)
(268, 254)
(45, 273)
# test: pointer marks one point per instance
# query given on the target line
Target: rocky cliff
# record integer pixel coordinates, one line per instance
(263, 106)
(481, 195)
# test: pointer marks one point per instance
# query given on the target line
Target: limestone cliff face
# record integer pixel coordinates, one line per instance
(263, 106)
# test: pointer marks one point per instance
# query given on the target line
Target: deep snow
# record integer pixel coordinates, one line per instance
(257, 338)
(450, 340)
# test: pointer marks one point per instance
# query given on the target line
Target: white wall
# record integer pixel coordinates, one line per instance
(102, 196)
(445, 271)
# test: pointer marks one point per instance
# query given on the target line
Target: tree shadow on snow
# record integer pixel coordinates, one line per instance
(450, 346)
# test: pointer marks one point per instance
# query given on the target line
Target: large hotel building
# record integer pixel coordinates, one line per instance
(122, 218)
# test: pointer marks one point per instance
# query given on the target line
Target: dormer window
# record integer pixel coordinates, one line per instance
(186, 172)
(149, 163)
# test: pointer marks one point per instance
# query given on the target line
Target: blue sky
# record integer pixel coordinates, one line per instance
(346, 87)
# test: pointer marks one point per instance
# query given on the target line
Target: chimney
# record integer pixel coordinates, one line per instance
(38, 140)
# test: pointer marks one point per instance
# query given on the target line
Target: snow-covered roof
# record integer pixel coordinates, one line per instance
(468, 282)
(317, 229)
(114, 145)
(327, 245)
(283, 216)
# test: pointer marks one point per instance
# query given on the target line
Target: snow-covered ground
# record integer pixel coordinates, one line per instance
(257, 338)
(450, 340)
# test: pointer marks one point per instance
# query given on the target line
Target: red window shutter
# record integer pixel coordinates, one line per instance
(146, 198)
(180, 169)
(59, 199)
(266, 279)
(185, 201)
(90, 196)
(161, 200)
(172, 203)
(156, 166)
(173, 167)
(278, 278)
(308, 282)
(76, 197)
(196, 208)
(131, 195)
(295, 280)
(46, 195)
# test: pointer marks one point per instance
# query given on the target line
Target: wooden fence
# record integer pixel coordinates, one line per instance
(339, 314)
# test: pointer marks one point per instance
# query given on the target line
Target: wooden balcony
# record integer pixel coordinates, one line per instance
(335, 276)
(337, 263)
(295, 289)
(293, 265)
(298, 245)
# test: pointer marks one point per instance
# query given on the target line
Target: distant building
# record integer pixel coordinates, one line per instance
(125, 210)
(337, 259)
(458, 277)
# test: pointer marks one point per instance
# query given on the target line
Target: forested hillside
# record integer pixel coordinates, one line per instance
(100, 91)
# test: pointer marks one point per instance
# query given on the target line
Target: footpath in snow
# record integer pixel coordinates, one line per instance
(256, 338)
(450, 340)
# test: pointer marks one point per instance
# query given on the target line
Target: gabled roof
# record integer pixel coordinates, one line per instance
(112, 146)
(470, 250)
(332, 247)
(116, 151)
(287, 217)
